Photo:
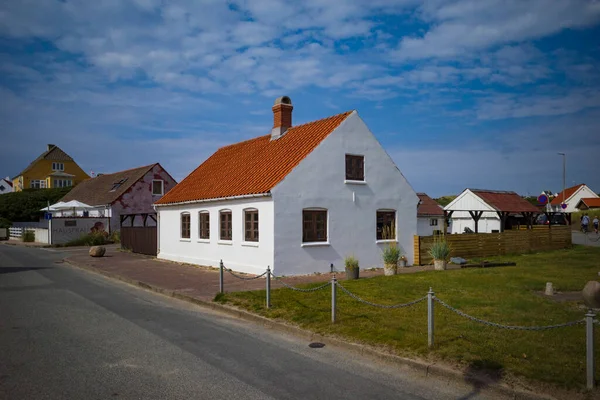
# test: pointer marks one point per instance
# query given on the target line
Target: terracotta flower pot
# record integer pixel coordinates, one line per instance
(390, 269)
(439, 265)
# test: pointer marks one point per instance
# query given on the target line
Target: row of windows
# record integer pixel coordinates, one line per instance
(63, 183)
(314, 225)
(225, 225)
(37, 184)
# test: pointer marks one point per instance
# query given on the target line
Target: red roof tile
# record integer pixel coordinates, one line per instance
(591, 202)
(557, 201)
(254, 166)
(505, 201)
(429, 207)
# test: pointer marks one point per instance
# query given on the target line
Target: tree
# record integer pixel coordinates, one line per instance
(25, 206)
(445, 200)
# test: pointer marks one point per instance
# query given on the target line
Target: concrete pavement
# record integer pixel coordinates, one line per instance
(69, 334)
(586, 239)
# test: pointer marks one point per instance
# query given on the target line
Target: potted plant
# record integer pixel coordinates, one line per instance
(403, 261)
(440, 252)
(351, 264)
(391, 255)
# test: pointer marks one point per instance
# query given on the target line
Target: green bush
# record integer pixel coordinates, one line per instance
(5, 223)
(90, 239)
(115, 236)
(26, 205)
(391, 254)
(351, 262)
(440, 248)
(28, 236)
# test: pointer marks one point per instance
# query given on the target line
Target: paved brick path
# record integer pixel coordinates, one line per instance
(195, 281)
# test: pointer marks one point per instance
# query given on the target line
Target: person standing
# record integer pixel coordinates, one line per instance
(595, 222)
(585, 221)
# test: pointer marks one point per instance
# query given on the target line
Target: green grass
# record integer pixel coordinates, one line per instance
(504, 295)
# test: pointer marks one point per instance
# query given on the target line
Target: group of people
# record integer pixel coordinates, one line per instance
(585, 222)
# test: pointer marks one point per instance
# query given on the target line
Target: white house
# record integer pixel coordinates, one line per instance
(571, 197)
(488, 211)
(430, 216)
(6, 185)
(296, 199)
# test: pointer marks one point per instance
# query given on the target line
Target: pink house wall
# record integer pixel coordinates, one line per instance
(139, 199)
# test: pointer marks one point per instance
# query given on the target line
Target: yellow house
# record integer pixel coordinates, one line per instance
(53, 168)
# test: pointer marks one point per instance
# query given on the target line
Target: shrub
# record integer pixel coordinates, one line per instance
(28, 236)
(5, 223)
(391, 254)
(351, 262)
(115, 236)
(90, 239)
(440, 249)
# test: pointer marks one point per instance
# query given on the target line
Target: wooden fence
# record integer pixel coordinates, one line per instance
(139, 239)
(495, 244)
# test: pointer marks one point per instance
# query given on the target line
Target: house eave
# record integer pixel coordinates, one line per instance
(244, 196)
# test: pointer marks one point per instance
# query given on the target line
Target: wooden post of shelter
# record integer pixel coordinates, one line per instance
(476, 215)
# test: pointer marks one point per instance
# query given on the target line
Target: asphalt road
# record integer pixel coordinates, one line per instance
(587, 239)
(71, 334)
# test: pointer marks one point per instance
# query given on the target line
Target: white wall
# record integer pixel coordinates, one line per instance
(253, 257)
(6, 187)
(581, 193)
(318, 181)
(485, 225)
(425, 229)
(467, 200)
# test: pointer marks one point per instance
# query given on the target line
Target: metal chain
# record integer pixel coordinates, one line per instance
(355, 297)
(518, 328)
(278, 279)
(243, 278)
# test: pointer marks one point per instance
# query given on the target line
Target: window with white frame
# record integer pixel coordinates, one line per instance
(185, 225)
(225, 225)
(204, 225)
(158, 187)
(433, 222)
(251, 225)
(386, 224)
(59, 183)
(56, 166)
(355, 167)
(314, 225)
(37, 184)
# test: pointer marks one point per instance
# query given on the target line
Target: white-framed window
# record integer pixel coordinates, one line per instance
(251, 225)
(225, 225)
(433, 222)
(56, 166)
(204, 225)
(158, 187)
(314, 225)
(59, 183)
(355, 167)
(37, 184)
(186, 224)
(385, 225)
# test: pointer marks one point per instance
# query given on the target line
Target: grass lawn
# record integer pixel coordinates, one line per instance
(504, 295)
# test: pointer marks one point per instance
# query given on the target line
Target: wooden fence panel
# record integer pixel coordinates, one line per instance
(140, 239)
(494, 244)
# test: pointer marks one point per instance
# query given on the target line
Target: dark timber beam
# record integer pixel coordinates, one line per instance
(476, 215)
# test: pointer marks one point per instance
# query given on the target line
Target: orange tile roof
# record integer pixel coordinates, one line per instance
(591, 202)
(254, 166)
(557, 201)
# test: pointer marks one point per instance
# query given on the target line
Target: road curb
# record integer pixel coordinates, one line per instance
(432, 370)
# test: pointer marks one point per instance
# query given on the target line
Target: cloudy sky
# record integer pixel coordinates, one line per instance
(461, 93)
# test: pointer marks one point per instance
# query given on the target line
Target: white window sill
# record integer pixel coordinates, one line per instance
(250, 244)
(203, 240)
(387, 241)
(225, 242)
(347, 182)
(315, 244)
(185, 240)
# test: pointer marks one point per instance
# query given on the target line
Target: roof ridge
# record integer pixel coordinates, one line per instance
(127, 170)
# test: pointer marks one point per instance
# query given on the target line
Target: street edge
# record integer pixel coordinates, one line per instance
(428, 370)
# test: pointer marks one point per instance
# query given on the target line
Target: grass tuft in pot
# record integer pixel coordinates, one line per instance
(352, 268)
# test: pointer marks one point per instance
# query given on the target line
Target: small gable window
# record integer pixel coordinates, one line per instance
(56, 166)
(314, 225)
(386, 225)
(204, 225)
(158, 187)
(185, 225)
(433, 222)
(355, 167)
(225, 222)
(251, 225)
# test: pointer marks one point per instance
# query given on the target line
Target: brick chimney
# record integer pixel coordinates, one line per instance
(282, 117)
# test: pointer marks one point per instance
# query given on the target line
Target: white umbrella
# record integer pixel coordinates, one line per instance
(72, 204)
(53, 207)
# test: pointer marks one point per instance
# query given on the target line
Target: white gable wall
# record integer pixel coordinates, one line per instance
(318, 181)
(468, 200)
(424, 227)
(581, 193)
(5, 186)
(250, 257)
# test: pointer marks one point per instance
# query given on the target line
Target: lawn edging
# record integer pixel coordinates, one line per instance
(427, 369)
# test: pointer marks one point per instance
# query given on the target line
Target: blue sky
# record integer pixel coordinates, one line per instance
(461, 93)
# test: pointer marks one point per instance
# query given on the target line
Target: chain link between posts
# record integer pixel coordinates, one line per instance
(278, 279)
(517, 328)
(244, 278)
(355, 297)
